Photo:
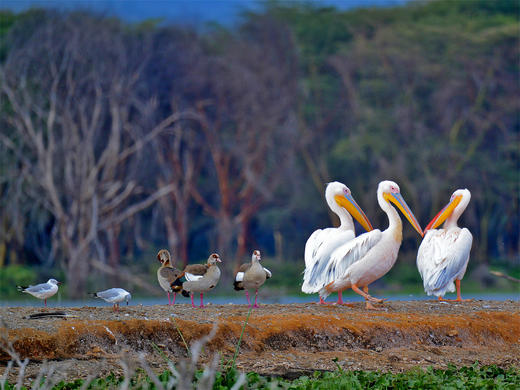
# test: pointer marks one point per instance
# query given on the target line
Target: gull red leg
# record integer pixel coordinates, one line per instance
(169, 300)
(45, 302)
(192, 304)
(174, 296)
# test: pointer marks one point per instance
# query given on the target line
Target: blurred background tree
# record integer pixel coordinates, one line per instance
(119, 139)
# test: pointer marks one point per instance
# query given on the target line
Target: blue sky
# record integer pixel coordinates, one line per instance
(183, 11)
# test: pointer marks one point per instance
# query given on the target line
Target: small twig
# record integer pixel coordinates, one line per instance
(21, 374)
(503, 275)
(88, 381)
(126, 376)
(3, 381)
(240, 382)
(160, 351)
(182, 337)
(150, 373)
(240, 339)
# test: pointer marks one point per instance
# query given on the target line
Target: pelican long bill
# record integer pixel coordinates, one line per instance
(398, 200)
(348, 202)
(444, 213)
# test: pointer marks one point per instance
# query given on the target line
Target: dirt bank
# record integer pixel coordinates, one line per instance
(287, 340)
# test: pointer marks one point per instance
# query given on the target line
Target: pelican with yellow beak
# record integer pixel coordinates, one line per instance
(324, 242)
(444, 253)
(371, 255)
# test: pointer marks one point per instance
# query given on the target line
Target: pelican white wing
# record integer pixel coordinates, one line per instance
(323, 242)
(334, 267)
(318, 249)
(443, 257)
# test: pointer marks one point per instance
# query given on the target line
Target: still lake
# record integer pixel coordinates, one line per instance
(56, 301)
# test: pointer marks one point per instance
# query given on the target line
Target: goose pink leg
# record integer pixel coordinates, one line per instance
(201, 302)
(256, 295)
(248, 301)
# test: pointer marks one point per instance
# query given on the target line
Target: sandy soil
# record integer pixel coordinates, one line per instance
(286, 340)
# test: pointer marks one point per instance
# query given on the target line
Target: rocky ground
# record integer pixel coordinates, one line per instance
(287, 340)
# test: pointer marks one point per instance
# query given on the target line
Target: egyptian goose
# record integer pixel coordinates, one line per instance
(168, 276)
(42, 290)
(113, 295)
(251, 276)
(201, 278)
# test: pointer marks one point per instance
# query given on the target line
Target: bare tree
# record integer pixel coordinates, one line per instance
(246, 107)
(75, 115)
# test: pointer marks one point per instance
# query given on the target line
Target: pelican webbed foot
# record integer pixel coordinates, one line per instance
(322, 302)
(369, 306)
(366, 296)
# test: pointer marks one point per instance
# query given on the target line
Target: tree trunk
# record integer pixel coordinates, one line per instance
(77, 275)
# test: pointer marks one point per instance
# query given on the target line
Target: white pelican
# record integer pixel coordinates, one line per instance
(42, 290)
(444, 253)
(371, 255)
(323, 242)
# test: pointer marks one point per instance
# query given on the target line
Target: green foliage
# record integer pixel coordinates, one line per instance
(472, 377)
(15, 275)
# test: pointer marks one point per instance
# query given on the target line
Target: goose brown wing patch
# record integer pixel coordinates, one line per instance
(244, 267)
(170, 274)
(196, 269)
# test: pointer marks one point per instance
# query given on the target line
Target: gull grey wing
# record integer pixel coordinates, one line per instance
(111, 293)
(39, 288)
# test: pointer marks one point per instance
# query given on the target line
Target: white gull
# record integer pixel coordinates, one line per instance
(42, 290)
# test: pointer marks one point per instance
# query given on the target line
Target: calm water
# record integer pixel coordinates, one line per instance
(56, 301)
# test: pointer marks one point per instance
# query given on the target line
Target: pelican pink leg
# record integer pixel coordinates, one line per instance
(340, 298)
